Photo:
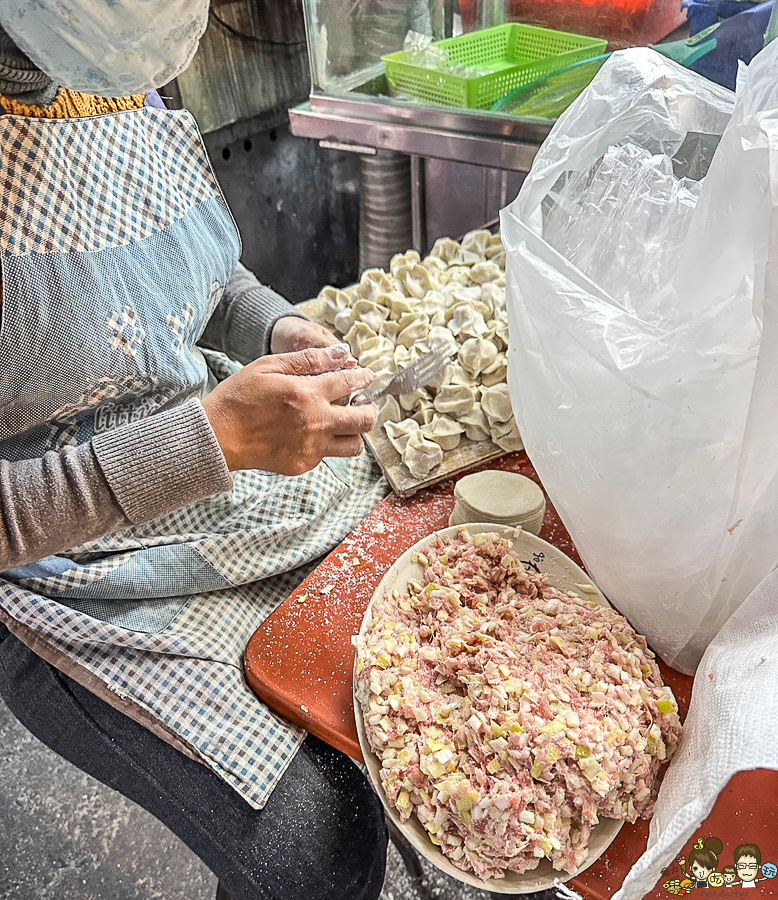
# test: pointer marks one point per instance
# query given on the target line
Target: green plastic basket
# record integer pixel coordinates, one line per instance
(514, 55)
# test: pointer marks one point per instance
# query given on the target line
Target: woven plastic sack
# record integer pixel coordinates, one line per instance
(643, 310)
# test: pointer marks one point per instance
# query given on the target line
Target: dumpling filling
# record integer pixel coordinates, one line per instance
(509, 716)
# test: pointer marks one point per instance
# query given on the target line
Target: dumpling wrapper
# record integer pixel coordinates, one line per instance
(421, 455)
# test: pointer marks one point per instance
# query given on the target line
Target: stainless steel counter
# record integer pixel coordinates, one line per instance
(366, 124)
(465, 164)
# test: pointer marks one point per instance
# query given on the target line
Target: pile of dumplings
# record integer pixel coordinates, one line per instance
(455, 299)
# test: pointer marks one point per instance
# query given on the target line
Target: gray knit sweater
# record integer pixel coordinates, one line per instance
(140, 471)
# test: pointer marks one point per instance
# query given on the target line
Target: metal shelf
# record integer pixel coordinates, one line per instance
(365, 124)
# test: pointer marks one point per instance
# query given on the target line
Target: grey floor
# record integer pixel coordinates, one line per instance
(64, 836)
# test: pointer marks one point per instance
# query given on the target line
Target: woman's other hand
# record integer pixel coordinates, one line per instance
(279, 413)
(292, 333)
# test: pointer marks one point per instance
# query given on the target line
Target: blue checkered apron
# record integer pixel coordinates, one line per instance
(116, 244)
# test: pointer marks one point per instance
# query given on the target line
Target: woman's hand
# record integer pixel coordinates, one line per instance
(278, 413)
(292, 333)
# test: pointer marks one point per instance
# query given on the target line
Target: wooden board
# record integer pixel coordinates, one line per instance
(465, 456)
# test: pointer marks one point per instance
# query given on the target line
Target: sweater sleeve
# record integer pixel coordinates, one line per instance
(121, 478)
(243, 321)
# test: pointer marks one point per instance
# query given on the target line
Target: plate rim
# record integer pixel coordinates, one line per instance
(512, 883)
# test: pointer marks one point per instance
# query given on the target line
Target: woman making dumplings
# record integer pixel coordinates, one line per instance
(147, 523)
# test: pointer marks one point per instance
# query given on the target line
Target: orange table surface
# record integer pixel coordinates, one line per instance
(300, 660)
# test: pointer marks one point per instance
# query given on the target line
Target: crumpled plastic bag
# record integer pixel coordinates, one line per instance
(643, 366)
(721, 736)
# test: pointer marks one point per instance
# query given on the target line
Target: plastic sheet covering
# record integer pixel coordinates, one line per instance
(643, 309)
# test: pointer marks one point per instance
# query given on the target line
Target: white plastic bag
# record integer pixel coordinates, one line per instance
(643, 310)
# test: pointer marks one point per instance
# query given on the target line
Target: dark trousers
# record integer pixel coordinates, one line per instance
(321, 835)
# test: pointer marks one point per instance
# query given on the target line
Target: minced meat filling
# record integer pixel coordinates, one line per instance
(508, 715)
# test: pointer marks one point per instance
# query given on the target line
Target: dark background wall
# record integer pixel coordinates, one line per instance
(296, 205)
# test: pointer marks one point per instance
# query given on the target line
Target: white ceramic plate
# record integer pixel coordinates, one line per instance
(563, 574)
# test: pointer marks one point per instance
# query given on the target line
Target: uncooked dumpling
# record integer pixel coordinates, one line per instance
(343, 321)
(413, 401)
(374, 282)
(424, 412)
(331, 302)
(421, 455)
(506, 435)
(493, 296)
(496, 372)
(476, 424)
(444, 431)
(400, 432)
(454, 399)
(390, 330)
(390, 411)
(466, 323)
(476, 355)
(370, 313)
(360, 336)
(436, 266)
(477, 241)
(381, 367)
(441, 337)
(465, 258)
(485, 271)
(400, 306)
(501, 329)
(415, 281)
(375, 352)
(496, 403)
(445, 249)
(410, 258)
(415, 331)
(459, 274)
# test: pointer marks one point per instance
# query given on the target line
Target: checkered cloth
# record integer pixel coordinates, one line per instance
(106, 292)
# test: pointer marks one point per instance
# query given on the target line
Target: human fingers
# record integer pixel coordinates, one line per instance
(343, 383)
(311, 361)
(292, 333)
(351, 420)
(346, 445)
